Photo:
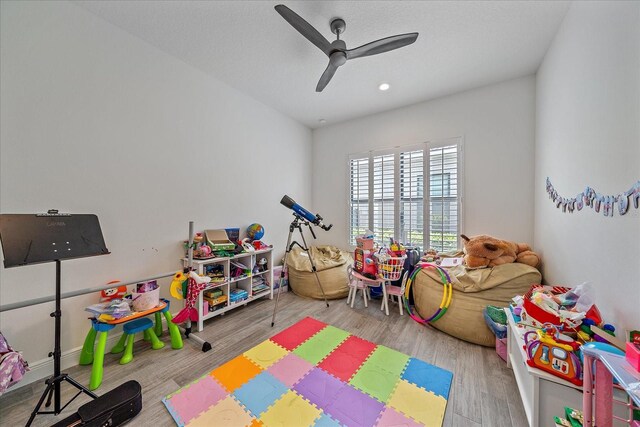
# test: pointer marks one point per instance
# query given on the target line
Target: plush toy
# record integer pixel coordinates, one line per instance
(195, 286)
(113, 293)
(486, 251)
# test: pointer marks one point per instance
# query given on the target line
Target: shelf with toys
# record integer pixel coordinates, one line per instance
(548, 330)
(543, 394)
(235, 278)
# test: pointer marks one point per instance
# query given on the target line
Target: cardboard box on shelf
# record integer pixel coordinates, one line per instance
(218, 240)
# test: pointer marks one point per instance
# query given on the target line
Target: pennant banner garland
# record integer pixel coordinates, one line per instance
(596, 201)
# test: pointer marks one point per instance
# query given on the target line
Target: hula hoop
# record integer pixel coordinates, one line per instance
(447, 295)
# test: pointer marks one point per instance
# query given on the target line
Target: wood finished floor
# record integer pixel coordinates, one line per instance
(483, 393)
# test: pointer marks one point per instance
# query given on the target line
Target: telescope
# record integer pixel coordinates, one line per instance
(302, 212)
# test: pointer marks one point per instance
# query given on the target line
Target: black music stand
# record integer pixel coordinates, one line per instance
(32, 239)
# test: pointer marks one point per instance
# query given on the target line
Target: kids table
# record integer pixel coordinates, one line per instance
(375, 282)
(101, 329)
(602, 368)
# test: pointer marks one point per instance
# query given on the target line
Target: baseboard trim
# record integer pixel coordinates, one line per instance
(41, 369)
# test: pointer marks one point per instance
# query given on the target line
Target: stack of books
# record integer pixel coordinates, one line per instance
(259, 285)
(236, 295)
(215, 298)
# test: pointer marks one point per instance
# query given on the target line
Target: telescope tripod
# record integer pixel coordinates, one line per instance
(297, 223)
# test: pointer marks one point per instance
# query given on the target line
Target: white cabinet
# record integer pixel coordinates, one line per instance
(230, 275)
(543, 395)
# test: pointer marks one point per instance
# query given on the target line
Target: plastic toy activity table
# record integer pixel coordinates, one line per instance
(89, 356)
(375, 282)
(600, 369)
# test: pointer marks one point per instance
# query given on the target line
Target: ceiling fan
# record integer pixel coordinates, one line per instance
(337, 50)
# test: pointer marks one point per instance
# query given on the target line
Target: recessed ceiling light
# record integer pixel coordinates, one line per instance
(322, 121)
(384, 86)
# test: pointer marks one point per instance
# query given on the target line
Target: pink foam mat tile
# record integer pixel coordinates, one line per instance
(295, 335)
(392, 418)
(290, 369)
(195, 399)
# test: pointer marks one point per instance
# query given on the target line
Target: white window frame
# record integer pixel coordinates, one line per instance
(426, 147)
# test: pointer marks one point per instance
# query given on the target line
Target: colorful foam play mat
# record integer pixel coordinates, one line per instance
(313, 374)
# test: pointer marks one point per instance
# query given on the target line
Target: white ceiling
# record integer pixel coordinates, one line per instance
(249, 46)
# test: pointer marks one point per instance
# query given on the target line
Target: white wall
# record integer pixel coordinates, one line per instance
(497, 123)
(97, 121)
(588, 133)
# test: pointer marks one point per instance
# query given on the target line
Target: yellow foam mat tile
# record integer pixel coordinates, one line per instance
(423, 406)
(266, 353)
(291, 410)
(227, 412)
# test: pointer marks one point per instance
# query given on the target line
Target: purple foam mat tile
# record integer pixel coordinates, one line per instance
(319, 387)
(353, 408)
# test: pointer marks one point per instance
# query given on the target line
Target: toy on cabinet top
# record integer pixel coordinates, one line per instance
(548, 351)
(255, 231)
(221, 243)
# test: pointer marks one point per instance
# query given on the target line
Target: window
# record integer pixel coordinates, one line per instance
(387, 195)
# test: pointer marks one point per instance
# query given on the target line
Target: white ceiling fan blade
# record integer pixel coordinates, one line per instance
(304, 28)
(326, 76)
(382, 45)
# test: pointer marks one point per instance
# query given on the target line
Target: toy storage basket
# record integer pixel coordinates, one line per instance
(390, 268)
(536, 316)
(146, 300)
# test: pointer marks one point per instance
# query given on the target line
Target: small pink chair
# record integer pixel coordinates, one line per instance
(398, 292)
(356, 285)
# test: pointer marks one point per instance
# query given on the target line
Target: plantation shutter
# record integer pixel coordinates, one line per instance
(443, 198)
(359, 198)
(383, 197)
(391, 195)
(412, 198)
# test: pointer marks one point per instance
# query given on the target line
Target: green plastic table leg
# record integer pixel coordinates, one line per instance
(86, 355)
(145, 335)
(119, 347)
(158, 328)
(156, 344)
(174, 332)
(128, 351)
(98, 360)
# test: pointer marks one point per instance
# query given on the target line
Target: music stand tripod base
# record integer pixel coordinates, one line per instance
(297, 224)
(39, 238)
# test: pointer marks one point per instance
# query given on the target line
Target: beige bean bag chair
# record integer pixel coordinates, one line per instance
(331, 264)
(472, 291)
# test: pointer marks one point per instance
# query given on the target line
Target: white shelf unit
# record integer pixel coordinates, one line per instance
(247, 259)
(543, 395)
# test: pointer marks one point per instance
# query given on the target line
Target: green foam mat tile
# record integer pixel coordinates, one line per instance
(375, 381)
(390, 360)
(321, 344)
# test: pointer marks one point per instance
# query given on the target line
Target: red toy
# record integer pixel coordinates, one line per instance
(370, 268)
(113, 293)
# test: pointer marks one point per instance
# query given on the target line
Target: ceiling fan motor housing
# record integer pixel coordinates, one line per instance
(338, 26)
